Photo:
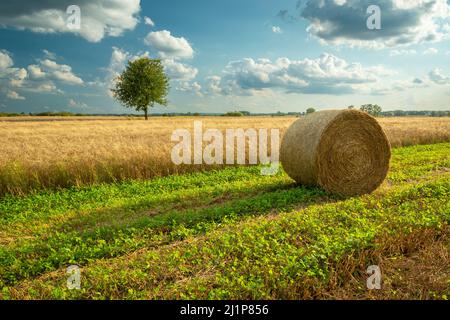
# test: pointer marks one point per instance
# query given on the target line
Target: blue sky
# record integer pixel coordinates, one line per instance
(256, 55)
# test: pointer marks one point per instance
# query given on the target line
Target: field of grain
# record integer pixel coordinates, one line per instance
(47, 152)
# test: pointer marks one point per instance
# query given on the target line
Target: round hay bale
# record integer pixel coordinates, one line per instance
(342, 151)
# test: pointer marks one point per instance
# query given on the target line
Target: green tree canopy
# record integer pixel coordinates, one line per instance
(142, 84)
(310, 110)
(372, 109)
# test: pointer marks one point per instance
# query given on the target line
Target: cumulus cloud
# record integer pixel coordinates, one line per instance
(36, 72)
(183, 75)
(437, 77)
(213, 85)
(179, 71)
(149, 22)
(276, 29)
(192, 87)
(99, 18)
(171, 50)
(13, 95)
(37, 78)
(61, 72)
(169, 46)
(48, 54)
(404, 22)
(47, 86)
(327, 74)
(18, 77)
(67, 77)
(117, 63)
(118, 59)
(11, 77)
(5, 61)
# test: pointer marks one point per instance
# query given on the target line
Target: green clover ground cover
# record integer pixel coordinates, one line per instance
(224, 234)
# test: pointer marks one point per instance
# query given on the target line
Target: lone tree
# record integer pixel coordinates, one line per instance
(142, 84)
(372, 109)
(310, 110)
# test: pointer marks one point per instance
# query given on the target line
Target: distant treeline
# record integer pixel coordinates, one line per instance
(395, 113)
(401, 113)
(44, 114)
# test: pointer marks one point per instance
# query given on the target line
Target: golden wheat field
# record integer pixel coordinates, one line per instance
(55, 152)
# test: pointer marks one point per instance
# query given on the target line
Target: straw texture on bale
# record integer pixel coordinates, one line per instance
(342, 151)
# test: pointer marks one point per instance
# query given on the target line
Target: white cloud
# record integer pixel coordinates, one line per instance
(76, 104)
(13, 95)
(192, 87)
(403, 22)
(117, 63)
(5, 61)
(36, 72)
(67, 77)
(11, 77)
(430, 51)
(392, 87)
(61, 72)
(179, 71)
(48, 54)
(402, 52)
(47, 86)
(276, 29)
(99, 18)
(149, 22)
(35, 77)
(118, 60)
(327, 74)
(169, 46)
(18, 77)
(183, 75)
(214, 85)
(437, 77)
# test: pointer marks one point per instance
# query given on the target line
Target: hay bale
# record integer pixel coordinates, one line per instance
(343, 151)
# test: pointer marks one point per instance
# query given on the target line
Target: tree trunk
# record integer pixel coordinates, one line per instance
(146, 116)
